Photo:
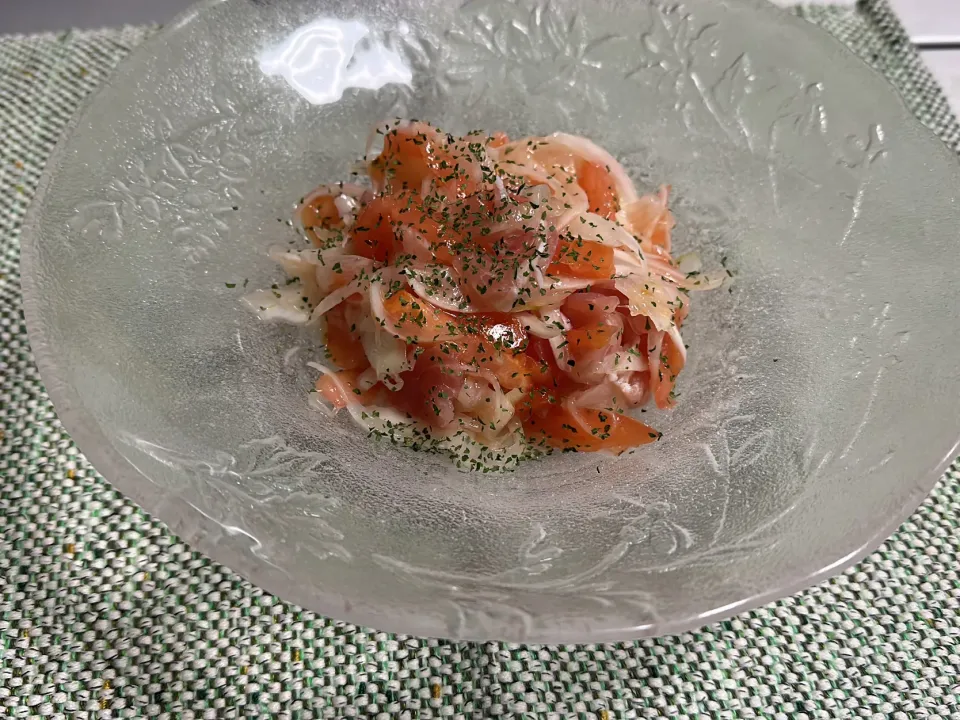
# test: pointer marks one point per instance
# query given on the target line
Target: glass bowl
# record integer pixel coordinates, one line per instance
(818, 408)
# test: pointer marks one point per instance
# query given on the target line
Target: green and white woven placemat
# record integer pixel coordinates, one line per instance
(104, 614)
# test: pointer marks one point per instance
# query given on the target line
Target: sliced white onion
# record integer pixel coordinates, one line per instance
(480, 387)
(336, 268)
(538, 327)
(376, 303)
(626, 361)
(654, 205)
(509, 442)
(659, 267)
(469, 424)
(367, 379)
(567, 207)
(377, 307)
(592, 152)
(635, 388)
(537, 194)
(705, 281)
(515, 395)
(300, 265)
(367, 418)
(293, 261)
(358, 285)
(437, 285)
(383, 420)
(674, 332)
(501, 190)
(555, 291)
(558, 343)
(649, 296)
(502, 412)
(654, 350)
(626, 263)
(689, 262)
(594, 228)
(617, 393)
(470, 395)
(317, 403)
(347, 207)
(537, 161)
(387, 354)
(284, 305)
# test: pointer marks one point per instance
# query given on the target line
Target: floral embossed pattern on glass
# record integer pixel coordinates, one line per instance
(817, 408)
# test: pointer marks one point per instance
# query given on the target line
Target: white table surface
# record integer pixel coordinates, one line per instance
(934, 25)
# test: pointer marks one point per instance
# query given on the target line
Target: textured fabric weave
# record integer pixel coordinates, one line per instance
(104, 614)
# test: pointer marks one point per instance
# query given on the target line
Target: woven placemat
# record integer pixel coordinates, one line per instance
(104, 614)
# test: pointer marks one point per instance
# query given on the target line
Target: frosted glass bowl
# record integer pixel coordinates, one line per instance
(818, 408)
